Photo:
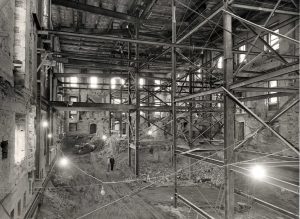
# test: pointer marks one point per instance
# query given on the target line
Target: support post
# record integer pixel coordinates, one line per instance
(129, 133)
(137, 97)
(174, 129)
(229, 113)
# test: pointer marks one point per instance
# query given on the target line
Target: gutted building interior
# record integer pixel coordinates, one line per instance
(149, 109)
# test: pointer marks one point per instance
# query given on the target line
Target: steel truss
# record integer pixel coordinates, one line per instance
(193, 94)
(230, 101)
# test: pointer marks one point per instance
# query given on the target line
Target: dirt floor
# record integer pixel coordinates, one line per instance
(73, 194)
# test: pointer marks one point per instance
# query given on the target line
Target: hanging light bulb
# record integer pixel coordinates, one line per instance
(258, 172)
(63, 162)
(44, 123)
(102, 192)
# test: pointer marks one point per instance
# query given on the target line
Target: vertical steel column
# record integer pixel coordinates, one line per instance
(129, 102)
(109, 112)
(191, 81)
(210, 96)
(229, 113)
(174, 129)
(137, 97)
(121, 113)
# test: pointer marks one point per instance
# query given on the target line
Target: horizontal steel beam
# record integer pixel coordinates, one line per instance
(185, 153)
(201, 94)
(268, 89)
(279, 157)
(264, 9)
(145, 42)
(83, 106)
(265, 96)
(98, 10)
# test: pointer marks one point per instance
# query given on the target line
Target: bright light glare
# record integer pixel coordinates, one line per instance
(63, 162)
(49, 135)
(102, 192)
(104, 137)
(45, 124)
(258, 172)
(149, 132)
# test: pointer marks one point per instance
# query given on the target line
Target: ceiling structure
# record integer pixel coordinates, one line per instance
(118, 19)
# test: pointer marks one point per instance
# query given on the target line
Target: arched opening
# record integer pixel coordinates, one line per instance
(93, 128)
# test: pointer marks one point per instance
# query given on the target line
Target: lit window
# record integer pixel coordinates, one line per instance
(157, 82)
(74, 81)
(242, 57)
(272, 40)
(199, 75)
(73, 99)
(73, 114)
(141, 82)
(273, 101)
(220, 62)
(116, 101)
(113, 82)
(116, 81)
(93, 82)
(122, 81)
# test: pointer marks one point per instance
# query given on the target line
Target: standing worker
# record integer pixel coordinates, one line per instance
(112, 163)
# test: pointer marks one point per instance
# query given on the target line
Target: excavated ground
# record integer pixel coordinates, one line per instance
(73, 194)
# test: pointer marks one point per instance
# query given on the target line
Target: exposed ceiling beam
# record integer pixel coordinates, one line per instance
(103, 12)
(264, 9)
(145, 42)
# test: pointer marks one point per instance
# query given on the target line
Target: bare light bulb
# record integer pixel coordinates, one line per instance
(49, 135)
(104, 137)
(102, 192)
(149, 132)
(64, 162)
(45, 124)
(258, 172)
